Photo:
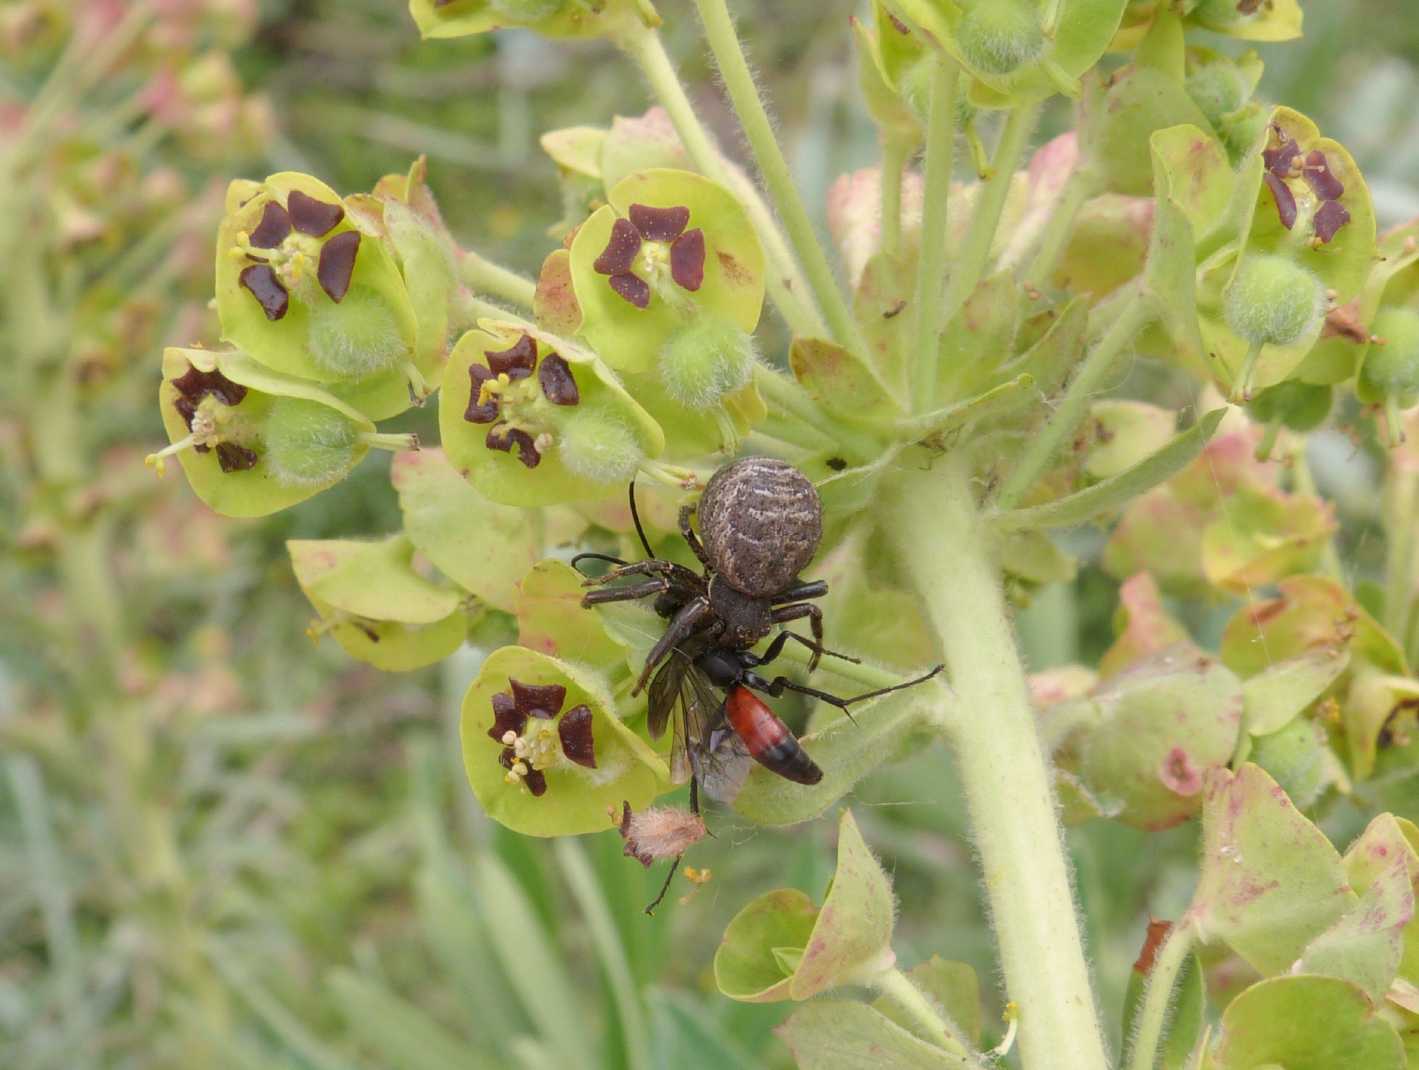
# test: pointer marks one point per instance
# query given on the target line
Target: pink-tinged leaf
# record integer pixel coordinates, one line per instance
(1144, 627)
(1271, 882)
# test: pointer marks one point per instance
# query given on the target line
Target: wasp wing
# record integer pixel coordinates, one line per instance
(718, 756)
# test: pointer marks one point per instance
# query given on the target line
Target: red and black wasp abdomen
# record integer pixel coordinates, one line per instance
(768, 739)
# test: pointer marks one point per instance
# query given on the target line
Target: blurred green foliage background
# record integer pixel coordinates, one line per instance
(223, 844)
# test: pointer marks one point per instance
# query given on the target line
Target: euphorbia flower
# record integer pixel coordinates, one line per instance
(529, 723)
(673, 248)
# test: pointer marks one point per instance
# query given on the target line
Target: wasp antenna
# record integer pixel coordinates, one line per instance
(636, 517)
(590, 555)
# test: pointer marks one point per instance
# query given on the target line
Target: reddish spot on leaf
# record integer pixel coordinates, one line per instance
(632, 288)
(621, 249)
(574, 730)
(310, 216)
(557, 381)
(274, 226)
(1157, 933)
(337, 264)
(1179, 773)
(261, 282)
(687, 259)
(659, 224)
(1284, 198)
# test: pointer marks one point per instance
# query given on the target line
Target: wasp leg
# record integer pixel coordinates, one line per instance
(650, 910)
(683, 625)
(774, 649)
(780, 684)
(630, 593)
(814, 614)
(686, 512)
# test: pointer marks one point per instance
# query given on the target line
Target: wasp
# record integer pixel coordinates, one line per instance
(760, 523)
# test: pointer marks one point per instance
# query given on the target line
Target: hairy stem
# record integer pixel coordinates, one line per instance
(897, 987)
(1071, 409)
(758, 129)
(1153, 1015)
(990, 203)
(931, 265)
(486, 277)
(787, 288)
(1078, 188)
(895, 153)
(942, 543)
(1401, 507)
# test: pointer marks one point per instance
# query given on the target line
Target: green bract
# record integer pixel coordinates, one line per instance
(531, 420)
(782, 947)
(378, 607)
(545, 752)
(252, 441)
(305, 292)
(658, 278)
(555, 18)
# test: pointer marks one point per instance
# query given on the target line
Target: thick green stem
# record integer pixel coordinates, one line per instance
(1153, 1016)
(1078, 188)
(990, 203)
(943, 544)
(897, 987)
(1401, 509)
(759, 130)
(787, 288)
(931, 265)
(1071, 409)
(486, 277)
(895, 153)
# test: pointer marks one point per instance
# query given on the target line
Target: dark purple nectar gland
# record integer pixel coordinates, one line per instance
(1284, 163)
(283, 246)
(205, 400)
(666, 251)
(526, 722)
(506, 394)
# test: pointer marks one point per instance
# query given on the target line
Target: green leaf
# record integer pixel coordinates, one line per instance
(840, 382)
(1121, 115)
(1372, 700)
(1271, 882)
(1262, 536)
(577, 799)
(572, 18)
(1278, 20)
(1123, 433)
(552, 620)
(1279, 693)
(376, 605)
(1306, 1023)
(481, 545)
(1388, 839)
(954, 989)
(1366, 944)
(1169, 722)
(846, 941)
(1186, 1017)
(1118, 491)
(838, 1035)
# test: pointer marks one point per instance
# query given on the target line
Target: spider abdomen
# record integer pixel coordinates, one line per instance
(760, 520)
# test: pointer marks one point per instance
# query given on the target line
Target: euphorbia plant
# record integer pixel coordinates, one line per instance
(947, 403)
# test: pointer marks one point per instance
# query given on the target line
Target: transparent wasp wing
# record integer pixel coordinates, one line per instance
(704, 745)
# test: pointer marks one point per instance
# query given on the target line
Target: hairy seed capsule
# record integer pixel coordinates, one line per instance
(760, 520)
(307, 443)
(1000, 36)
(1273, 301)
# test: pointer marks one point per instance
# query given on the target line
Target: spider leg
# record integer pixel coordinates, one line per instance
(814, 614)
(590, 555)
(774, 649)
(799, 591)
(686, 512)
(683, 625)
(653, 567)
(629, 593)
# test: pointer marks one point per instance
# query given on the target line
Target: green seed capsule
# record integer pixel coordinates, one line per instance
(599, 447)
(1272, 301)
(706, 360)
(1295, 757)
(1000, 36)
(307, 443)
(1391, 368)
(357, 337)
(1218, 89)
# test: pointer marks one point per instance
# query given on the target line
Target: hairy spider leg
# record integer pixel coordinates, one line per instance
(653, 567)
(688, 532)
(774, 649)
(797, 611)
(694, 809)
(683, 625)
(628, 593)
